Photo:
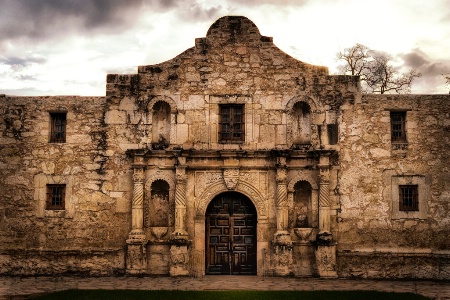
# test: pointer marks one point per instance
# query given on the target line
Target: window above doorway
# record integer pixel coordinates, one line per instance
(231, 123)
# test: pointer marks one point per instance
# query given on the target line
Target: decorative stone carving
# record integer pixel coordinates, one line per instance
(159, 233)
(179, 260)
(231, 177)
(180, 204)
(282, 253)
(136, 258)
(326, 261)
(137, 214)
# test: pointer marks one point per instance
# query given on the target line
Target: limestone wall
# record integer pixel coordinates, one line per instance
(88, 235)
(374, 241)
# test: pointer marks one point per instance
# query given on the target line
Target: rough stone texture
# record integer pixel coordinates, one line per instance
(374, 243)
(159, 128)
(88, 236)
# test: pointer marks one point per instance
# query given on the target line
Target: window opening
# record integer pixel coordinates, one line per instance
(56, 196)
(58, 128)
(408, 196)
(231, 124)
(398, 127)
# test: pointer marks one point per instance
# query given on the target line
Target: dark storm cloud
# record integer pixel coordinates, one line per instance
(40, 19)
(274, 2)
(431, 70)
(420, 61)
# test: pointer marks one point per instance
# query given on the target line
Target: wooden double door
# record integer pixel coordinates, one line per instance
(231, 235)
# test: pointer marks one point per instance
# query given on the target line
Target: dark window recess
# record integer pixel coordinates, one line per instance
(56, 194)
(332, 134)
(231, 123)
(398, 127)
(409, 198)
(58, 128)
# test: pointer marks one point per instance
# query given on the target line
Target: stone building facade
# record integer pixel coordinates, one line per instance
(231, 158)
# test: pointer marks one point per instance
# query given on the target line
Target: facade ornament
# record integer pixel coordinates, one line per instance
(231, 177)
(137, 208)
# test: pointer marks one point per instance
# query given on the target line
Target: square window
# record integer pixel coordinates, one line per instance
(408, 197)
(56, 196)
(231, 123)
(58, 127)
(398, 126)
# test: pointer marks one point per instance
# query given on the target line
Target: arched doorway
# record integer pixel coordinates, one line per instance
(231, 235)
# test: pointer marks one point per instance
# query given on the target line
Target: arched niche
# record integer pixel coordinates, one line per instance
(302, 206)
(303, 196)
(301, 123)
(159, 204)
(162, 116)
(159, 195)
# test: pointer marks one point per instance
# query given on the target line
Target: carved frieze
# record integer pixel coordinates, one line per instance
(211, 183)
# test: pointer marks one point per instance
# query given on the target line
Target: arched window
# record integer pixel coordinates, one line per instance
(159, 204)
(301, 127)
(161, 125)
(302, 204)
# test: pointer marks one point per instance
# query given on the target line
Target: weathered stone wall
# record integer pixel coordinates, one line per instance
(162, 124)
(88, 235)
(373, 241)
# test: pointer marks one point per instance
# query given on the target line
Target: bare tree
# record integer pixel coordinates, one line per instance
(377, 74)
(356, 59)
(447, 80)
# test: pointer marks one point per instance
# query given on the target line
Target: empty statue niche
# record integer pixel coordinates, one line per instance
(301, 127)
(303, 217)
(159, 206)
(161, 125)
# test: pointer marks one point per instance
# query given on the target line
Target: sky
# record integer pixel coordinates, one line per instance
(66, 47)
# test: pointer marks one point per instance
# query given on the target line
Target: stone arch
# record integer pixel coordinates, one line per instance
(303, 177)
(202, 202)
(168, 133)
(313, 104)
(313, 215)
(153, 176)
(168, 100)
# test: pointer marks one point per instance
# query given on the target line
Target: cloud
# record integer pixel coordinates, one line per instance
(22, 61)
(431, 70)
(271, 2)
(38, 19)
(420, 61)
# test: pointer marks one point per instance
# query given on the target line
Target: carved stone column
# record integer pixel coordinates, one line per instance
(136, 244)
(281, 200)
(282, 241)
(137, 205)
(179, 255)
(324, 195)
(325, 245)
(180, 200)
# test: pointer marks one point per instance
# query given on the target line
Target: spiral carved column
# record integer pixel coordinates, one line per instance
(180, 203)
(137, 205)
(324, 195)
(136, 258)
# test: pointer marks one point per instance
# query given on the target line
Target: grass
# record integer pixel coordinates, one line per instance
(227, 295)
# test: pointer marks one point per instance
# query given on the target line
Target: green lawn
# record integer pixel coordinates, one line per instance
(227, 295)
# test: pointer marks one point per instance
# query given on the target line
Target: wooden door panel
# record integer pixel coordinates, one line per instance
(231, 235)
